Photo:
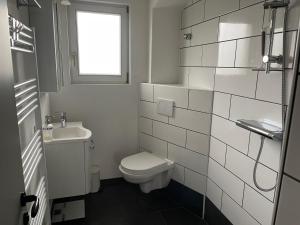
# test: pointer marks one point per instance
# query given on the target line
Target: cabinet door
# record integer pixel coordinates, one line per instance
(66, 171)
(44, 21)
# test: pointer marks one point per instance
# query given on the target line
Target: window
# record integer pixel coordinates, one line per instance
(98, 43)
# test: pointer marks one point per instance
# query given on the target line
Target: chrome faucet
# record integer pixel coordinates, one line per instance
(63, 119)
(59, 116)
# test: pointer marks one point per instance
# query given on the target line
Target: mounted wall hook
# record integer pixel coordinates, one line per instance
(188, 36)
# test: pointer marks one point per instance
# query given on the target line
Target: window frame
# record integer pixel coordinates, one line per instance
(104, 8)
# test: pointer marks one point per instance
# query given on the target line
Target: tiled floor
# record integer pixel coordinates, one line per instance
(124, 204)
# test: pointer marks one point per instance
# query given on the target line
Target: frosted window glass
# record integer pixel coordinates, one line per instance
(99, 43)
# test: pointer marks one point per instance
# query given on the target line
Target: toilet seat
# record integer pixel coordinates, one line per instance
(144, 163)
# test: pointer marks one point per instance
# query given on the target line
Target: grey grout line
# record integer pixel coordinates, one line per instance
(254, 99)
(230, 103)
(234, 39)
(224, 192)
(249, 141)
(178, 107)
(225, 156)
(256, 86)
(242, 181)
(220, 15)
(243, 154)
(243, 194)
(168, 142)
(228, 67)
(174, 125)
(235, 51)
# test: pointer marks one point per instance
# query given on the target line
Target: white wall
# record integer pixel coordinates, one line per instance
(111, 111)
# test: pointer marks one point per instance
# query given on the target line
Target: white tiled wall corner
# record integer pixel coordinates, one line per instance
(187, 158)
(245, 108)
(258, 206)
(148, 109)
(289, 208)
(146, 92)
(184, 73)
(214, 193)
(235, 213)
(248, 52)
(198, 142)
(226, 54)
(169, 133)
(193, 14)
(191, 56)
(243, 23)
(200, 100)
(243, 167)
(178, 173)
(195, 181)
(201, 78)
(217, 151)
(191, 120)
(271, 152)
(145, 125)
(176, 93)
(236, 81)
(229, 133)
(214, 8)
(221, 104)
(226, 180)
(206, 32)
(154, 145)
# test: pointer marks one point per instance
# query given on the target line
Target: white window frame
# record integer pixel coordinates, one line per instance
(121, 10)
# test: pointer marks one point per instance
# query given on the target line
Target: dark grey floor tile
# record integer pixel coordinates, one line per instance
(122, 203)
(145, 219)
(181, 216)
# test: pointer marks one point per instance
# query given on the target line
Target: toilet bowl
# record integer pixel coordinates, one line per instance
(147, 170)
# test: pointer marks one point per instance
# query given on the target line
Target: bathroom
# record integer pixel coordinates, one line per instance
(159, 112)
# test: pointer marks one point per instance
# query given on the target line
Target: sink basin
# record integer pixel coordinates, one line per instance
(74, 131)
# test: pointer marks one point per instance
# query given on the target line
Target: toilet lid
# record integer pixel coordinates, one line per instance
(143, 163)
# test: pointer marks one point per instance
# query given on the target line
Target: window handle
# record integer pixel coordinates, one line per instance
(74, 62)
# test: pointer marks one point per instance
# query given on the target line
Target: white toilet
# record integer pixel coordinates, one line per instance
(147, 170)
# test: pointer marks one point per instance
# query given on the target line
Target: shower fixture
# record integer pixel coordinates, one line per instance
(268, 57)
(267, 129)
(188, 36)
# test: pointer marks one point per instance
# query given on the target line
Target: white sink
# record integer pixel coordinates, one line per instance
(74, 131)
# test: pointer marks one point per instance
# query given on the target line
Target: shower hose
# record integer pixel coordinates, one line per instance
(283, 96)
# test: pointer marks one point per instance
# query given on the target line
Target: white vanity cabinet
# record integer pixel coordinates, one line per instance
(67, 159)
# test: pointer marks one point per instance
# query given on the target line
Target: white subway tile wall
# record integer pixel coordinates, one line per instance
(183, 138)
(212, 155)
(225, 47)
